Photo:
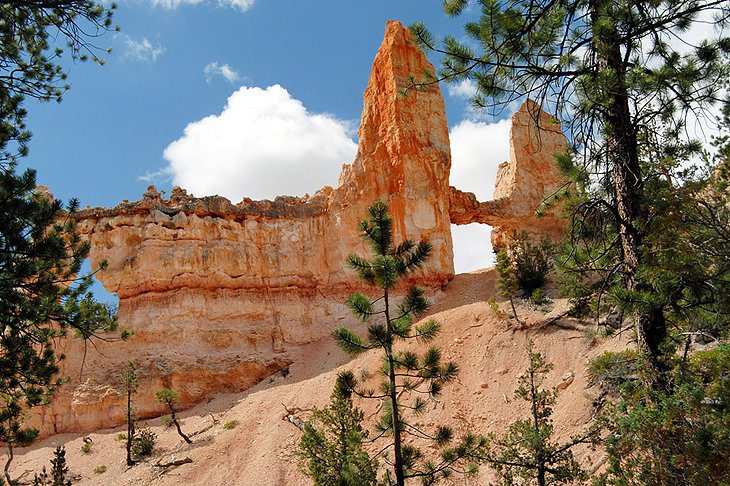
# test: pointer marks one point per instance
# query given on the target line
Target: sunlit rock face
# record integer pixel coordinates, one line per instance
(219, 295)
(523, 184)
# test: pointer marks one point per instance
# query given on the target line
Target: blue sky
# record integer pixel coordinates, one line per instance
(176, 62)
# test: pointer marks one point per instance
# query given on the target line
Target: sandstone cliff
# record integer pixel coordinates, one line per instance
(219, 295)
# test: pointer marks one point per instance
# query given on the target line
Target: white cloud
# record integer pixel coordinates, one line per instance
(265, 143)
(224, 70)
(466, 88)
(142, 49)
(477, 149)
(241, 5)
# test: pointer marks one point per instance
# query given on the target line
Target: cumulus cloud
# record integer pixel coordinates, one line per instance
(142, 49)
(264, 143)
(241, 5)
(477, 149)
(466, 88)
(225, 71)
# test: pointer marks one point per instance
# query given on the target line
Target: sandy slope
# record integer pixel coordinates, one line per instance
(261, 449)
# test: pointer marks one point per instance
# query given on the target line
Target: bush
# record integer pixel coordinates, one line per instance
(57, 476)
(86, 448)
(532, 261)
(331, 448)
(143, 443)
(167, 421)
(121, 436)
(677, 435)
(494, 306)
(100, 470)
(230, 425)
(539, 297)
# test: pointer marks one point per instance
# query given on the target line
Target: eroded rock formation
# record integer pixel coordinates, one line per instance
(218, 294)
(523, 184)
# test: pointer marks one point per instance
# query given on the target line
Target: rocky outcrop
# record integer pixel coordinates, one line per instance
(523, 184)
(218, 294)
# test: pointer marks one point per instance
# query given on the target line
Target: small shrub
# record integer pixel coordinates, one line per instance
(285, 371)
(606, 331)
(539, 297)
(494, 306)
(611, 370)
(57, 475)
(121, 436)
(532, 261)
(143, 443)
(86, 448)
(167, 421)
(230, 425)
(100, 470)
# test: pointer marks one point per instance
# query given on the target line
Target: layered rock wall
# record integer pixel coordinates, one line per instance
(219, 294)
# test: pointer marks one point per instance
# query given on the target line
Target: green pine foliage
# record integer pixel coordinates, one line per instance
(33, 37)
(533, 261)
(59, 470)
(507, 284)
(523, 269)
(143, 444)
(528, 453)
(42, 298)
(332, 444)
(409, 380)
(676, 436)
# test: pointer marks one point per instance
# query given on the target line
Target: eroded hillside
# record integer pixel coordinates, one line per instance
(261, 449)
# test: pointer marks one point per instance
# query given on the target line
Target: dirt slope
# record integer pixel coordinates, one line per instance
(261, 449)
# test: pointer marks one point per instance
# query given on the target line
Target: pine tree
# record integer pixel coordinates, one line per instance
(130, 383)
(333, 439)
(59, 468)
(528, 451)
(507, 284)
(169, 398)
(674, 436)
(404, 372)
(42, 296)
(610, 72)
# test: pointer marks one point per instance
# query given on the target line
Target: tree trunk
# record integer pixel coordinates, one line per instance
(7, 464)
(130, 428)
(539, 461)
(514, 311)
(177, 425)
(397, 449)
(621, 147)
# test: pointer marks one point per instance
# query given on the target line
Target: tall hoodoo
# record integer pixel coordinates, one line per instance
(404, 153)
